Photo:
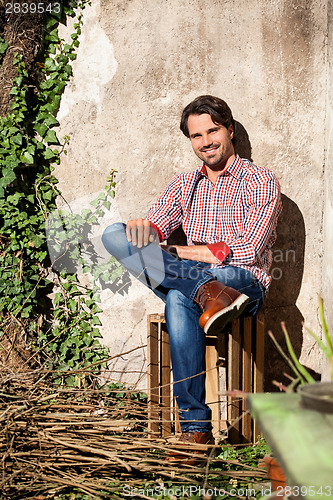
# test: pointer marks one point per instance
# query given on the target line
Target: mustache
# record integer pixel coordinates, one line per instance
(207, 148)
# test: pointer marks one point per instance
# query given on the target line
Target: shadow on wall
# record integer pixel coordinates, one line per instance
(242, 143)
(287, 273)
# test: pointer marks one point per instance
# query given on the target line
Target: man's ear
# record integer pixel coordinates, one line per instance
(231, 131)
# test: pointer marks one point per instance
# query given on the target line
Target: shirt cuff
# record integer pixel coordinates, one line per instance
(220, 250)
(158, 231)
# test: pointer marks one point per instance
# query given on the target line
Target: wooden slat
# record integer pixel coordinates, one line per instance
(153, 375)
(176, 416)
(234, 344)
(212, 387)
(222, 352)
(165, 381)
(247, 364)
(258, 382)
(258, 385)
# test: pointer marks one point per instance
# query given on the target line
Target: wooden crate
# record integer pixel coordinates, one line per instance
(234, 362)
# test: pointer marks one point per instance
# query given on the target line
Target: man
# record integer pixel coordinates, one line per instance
(228, 209)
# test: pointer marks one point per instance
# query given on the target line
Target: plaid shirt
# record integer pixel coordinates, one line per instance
(241, 210)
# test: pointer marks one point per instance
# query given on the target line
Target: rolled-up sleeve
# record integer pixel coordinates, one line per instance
(263, 208)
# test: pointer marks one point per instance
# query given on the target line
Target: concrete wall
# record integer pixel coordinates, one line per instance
(327, 268)
(138, 65)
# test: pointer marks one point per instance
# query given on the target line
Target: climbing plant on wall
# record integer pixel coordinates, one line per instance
(68, 327)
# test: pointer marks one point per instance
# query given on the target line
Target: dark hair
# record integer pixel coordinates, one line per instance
(218, 110)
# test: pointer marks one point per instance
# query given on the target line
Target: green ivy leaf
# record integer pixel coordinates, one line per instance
(12, 161)
(14, 199)
(18, 80)
(68, 70)
(3, 46)
(38, 240)
(27, 158)
(52, 36)
(41, 128)
(96, 321)
(17, 139)
(8, 176)
(61, 58)
(107, 204)
(67, 48)
(14, 91)
(50, 22)
(51, 138)
(50, 64)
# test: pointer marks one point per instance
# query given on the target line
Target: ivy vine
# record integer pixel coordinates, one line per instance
(68, 329)
(3, 48)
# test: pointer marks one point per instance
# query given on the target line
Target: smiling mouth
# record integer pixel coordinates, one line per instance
(210, 150)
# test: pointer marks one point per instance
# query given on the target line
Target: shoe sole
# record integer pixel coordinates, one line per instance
(218, 321)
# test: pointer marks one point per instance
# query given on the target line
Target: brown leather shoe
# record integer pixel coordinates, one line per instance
(191, 455)
(220, 304)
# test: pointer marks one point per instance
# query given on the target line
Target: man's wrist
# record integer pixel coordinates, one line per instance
(172, 250)
(157, 231)
(199, 253)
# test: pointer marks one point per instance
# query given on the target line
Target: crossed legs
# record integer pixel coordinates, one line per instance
(176, 283)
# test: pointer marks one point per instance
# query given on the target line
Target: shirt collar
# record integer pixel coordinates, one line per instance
(203, 170)
(236, 169)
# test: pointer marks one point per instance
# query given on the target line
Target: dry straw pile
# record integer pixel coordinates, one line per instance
(89, 437)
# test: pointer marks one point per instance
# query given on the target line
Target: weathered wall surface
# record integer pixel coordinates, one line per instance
(327, 269)
(139, 64)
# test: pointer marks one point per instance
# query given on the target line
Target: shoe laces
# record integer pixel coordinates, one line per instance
(203, 294)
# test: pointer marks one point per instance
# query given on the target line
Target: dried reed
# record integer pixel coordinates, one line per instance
(92, 438)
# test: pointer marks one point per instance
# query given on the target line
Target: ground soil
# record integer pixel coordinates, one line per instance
(23, 33)
(16, 351)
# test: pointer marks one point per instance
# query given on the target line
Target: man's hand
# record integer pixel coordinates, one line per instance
(139, 232)
(199, 253)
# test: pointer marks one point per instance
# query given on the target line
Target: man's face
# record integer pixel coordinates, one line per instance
(211, 142)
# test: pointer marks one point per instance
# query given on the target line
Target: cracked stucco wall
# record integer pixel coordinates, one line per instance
(327, 268)
(139, 63)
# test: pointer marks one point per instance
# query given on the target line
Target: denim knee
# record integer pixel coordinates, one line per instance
(182, 317)
(114, 238)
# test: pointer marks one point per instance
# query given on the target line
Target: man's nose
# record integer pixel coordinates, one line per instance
(206, 140)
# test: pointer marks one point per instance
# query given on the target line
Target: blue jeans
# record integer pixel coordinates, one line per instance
(176, 283)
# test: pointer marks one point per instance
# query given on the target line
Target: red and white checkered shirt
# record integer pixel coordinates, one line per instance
(241, 210)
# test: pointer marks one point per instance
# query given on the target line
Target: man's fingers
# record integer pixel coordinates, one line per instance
(146, 232)
(131, 232)
(139, 235)
(128, 231)
(138, 232)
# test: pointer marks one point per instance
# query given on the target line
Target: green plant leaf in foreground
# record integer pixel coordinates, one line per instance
(328, 347)
(300, 368)
(294, 366)
(301, 372)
